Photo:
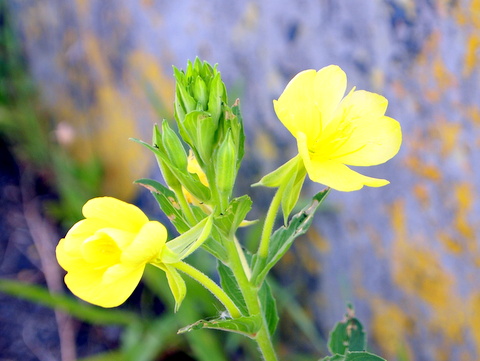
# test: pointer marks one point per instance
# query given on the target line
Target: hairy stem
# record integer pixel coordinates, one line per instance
(210, 285)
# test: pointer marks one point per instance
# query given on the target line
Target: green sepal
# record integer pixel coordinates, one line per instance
(282, 239)
(168, 203)
(292, 190)
(245, 325)
(176, 284)
(281, 175)
(185, 244)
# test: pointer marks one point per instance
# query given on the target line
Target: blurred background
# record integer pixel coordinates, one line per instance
(78, 78)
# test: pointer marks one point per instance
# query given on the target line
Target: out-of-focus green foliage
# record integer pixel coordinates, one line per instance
(35, 138)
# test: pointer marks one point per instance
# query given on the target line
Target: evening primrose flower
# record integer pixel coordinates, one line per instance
(333, 131)
(105, 254)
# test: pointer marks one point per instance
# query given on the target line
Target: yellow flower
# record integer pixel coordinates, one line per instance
(334, 131)
(105, 254)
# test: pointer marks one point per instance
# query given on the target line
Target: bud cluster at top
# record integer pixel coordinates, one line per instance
(211, 129)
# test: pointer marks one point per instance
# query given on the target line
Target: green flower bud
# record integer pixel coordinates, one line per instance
(200, 129)
(174, 147)
(162, 158)
(200, 93)
(225, 168)
(216, 96)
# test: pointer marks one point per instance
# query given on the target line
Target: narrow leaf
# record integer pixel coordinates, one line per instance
(81, 311)
(269, 307)
(333, 358)
(362, 356)
(283, 238)
(245, 325)
(230, 286)
(234, 215)
(167, 201)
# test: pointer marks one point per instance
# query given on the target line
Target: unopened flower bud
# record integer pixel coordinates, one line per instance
(200, 92)
(225, 166)
(173, 146)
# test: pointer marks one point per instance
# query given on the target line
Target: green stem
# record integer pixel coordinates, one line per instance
(250, 294)
(185, 206)
(206, 282)
(269, 223)
(243, 259)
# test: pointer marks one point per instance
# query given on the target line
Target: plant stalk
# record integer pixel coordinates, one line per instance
(210, 285)
(250, 294)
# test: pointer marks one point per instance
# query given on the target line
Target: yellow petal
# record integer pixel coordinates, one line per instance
(90, 286)
(67, 260)
(147, 245)
(329, 88)
(334, 174)
(100, 250)
(296, 107)
(338, 176)
(116, 213)
(362, 104)
(372, 142)
(80, 232)
(122, 238)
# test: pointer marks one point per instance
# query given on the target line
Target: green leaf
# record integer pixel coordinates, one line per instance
(231, 288)
(234, 215)
(362, 356)
(149, 339)
(167, 201)
(333, 358)
(283, 238)
(245, 325)
(81, 311)
(347, 335)
(358, 338)
(214, 246)
(338, 340)
(269, 307)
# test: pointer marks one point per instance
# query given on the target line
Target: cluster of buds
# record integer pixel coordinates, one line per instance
(211, 129)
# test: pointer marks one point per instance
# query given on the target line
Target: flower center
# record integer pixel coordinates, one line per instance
(101, 250)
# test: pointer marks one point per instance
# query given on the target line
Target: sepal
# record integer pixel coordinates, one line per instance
(185, 244)
(176, 284)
